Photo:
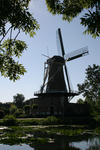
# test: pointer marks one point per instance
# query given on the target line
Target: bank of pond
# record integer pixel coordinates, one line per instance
(50, 132)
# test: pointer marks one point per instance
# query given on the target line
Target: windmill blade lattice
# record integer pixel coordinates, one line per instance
(76, 54)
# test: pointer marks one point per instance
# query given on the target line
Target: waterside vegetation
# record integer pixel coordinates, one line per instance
(26, 132)
(31, 131)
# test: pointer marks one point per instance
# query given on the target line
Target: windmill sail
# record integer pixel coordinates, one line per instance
(61, 42)
(63, 53)
(76, 54)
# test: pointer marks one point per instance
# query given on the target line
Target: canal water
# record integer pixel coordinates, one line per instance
(84, 142)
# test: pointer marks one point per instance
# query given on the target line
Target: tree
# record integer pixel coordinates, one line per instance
(6, 110)
(34, 106)
(12, 109)
(18, 100)
(91, 87)
(18, 112)
(14, 13)
(2, 114)
(27, 108)
(80, 101)
(70, 9)
(26, 102)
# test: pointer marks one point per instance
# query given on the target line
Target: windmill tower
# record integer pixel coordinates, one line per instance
(54, 79)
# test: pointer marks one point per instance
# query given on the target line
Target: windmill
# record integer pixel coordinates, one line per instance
(54, 79)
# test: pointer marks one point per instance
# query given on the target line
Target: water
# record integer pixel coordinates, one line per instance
(84, 142)
(15, 147)
(91, 144)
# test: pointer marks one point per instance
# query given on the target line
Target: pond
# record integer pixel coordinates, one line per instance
(61, 143)
(15, 147)
(57, 142)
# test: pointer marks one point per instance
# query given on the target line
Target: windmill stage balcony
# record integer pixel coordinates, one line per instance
(55, 92)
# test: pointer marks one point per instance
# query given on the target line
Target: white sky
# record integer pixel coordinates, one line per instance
(46, 39)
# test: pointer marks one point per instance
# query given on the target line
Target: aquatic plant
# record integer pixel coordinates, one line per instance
(97, 130)
(20, 140)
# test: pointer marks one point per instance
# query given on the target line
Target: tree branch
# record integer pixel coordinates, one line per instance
(6, 34)
(16, 36)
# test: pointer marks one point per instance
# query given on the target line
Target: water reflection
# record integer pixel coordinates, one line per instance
(94, 144)
(82, 142)
(86, 142)
(15, 147)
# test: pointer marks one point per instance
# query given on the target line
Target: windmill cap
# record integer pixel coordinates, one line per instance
(56, 59)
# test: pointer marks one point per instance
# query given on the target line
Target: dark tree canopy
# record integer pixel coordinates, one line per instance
(91, 89)
(70, 9)
(35, 106)
(80, 101)
(12, 109)
(18, 100)
(27, 108)
(14, 13)
(91, 86)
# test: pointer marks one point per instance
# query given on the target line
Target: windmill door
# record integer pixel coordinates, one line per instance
(51, 110)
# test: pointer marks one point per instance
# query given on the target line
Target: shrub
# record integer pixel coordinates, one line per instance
(27, 108)
(2, 114)
(13, 109)
(6, 110)
(97, 130)
(18, 112)
(34, 106)
(28, 122)
(21, 111)
(52, 120)
(23, 116)
(9, 120)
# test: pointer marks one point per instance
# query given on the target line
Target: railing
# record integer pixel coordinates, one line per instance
(55, 91)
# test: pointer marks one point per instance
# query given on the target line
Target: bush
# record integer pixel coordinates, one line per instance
(21, 111)
(51, 120)
(26, 116)
(6, 110)
(34, 107)
(18, 112)
(27, 108)
(12, 109)
(28, 122)
(2, 114)
(97, 130)
(9, 120)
